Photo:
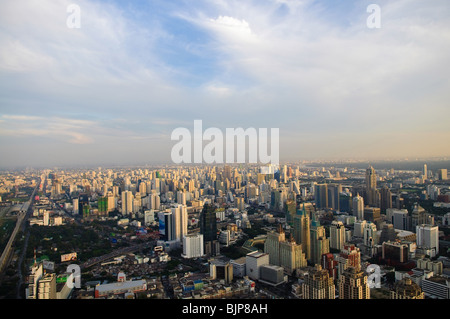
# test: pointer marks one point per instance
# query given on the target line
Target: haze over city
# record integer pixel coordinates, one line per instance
(113, 90)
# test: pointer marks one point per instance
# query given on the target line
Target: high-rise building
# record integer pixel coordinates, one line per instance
(370, 235)
(371, 186)
(272, 245)
(165, 226)
(127, 202)
(442, 174)
(419, 216)
(301, 229)
(372, 214)
(358, 207)
(221, 269)
(386, 198)
(406, 289)
(179, 221)
(330, 264)
(353, 284)
(291, 256)
(394, 252)
(320, 244)
(208, 228)
(428, 239)
(350, 256)
(337, 235)
(321, 195)
(253, 263)
(103, 206)
(193, 246)
(75, 206)
(318, 284)
(47, 287)
(334, 190)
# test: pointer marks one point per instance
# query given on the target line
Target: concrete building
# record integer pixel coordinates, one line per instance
(254, 261)
(353, 284)
(318, 284)
(406, 289)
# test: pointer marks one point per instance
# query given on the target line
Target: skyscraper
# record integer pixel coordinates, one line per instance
(208, 228)
(301, 230)
(337, 235)
(285, 253)
(358, 207)
(291, 256)
(272, 245)
(179, 221)
(320, 244)
(427, 239)
(321, 195)
(127, 202)
(386, 199)
(353, 284)
(371, 186)
(318, 284)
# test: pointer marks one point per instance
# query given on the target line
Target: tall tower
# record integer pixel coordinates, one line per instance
(208, 228)
(127, 202)
(291, 256)
(320, 244)
(318, 284)
(179, 221)
(358, 207)
(371, 186)
(353, 284)
(272, 245)
(337, 235)
(302, 231)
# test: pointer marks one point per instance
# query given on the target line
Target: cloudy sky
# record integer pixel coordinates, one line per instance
(113, 90)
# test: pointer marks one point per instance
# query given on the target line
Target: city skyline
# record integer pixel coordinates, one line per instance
(112, 91)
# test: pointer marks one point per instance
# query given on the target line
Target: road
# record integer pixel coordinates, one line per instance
(116, 253)
(20, 225)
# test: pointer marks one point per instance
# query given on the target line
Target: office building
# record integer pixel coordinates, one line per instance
(436, 287)
(320, 244)
(292, 256)
(337, 235)
(253, 262)
(272, 275)
(442, 174)
(358, 207)
(371, 186)
(321, 195)
(208, 228)
(301, 230)
(272, 245)
(221, 269)
(427, 239)
(395, 252)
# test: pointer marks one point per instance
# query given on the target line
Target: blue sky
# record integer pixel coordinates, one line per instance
(116, 88)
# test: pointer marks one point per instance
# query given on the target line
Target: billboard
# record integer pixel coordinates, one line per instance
(69, 257)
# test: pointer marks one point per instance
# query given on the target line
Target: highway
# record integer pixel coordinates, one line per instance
(21, 216)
